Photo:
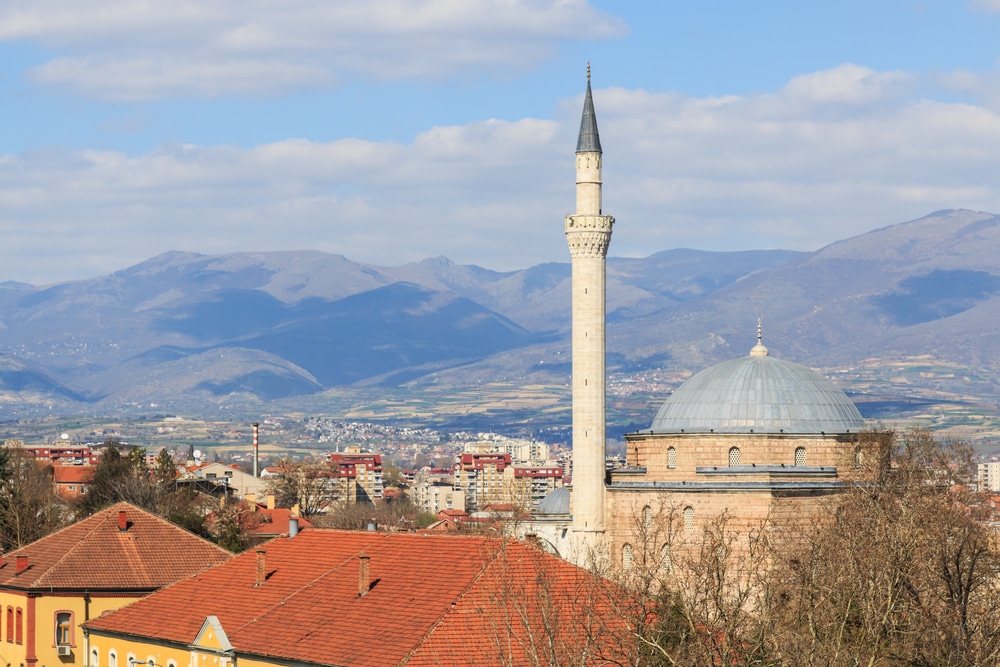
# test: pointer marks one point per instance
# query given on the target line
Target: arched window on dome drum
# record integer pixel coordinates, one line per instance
(671, 458)
(647, 518)
(857, 456)
(734, 456)
(689, 518)
(800, 456)
(627, 557)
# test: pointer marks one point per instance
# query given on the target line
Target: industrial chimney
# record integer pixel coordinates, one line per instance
(256, 450)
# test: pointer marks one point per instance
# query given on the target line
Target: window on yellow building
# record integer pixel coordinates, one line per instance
(112, 658)
(95, 658)
(18, 626)
(10, 624)
(64, 626)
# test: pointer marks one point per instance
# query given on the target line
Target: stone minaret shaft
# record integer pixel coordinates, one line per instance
(588, 233)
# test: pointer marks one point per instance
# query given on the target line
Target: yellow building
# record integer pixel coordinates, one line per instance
(49, 587)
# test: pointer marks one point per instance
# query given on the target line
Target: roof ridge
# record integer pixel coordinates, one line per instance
(472, 582)
(66, 554)
(305, 586)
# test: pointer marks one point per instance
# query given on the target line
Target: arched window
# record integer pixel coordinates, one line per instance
(671, 458)
(10, 624)
(666, 559)
(734, 456)
(800, 456)
(627, 557)
(130, 660)
(689, 518)
(18, 625)
(857, 456)
(647, 518)
(64, 628)
(95, 658)
(112, 658)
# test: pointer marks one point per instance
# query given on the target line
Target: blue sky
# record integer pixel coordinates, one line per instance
(393, 130)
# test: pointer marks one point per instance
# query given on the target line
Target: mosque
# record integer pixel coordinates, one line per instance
(763, 440)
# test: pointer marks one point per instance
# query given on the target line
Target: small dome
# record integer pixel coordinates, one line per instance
(758, 393)
(556, 502)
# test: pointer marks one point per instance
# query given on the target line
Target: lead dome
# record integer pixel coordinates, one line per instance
(758, 394)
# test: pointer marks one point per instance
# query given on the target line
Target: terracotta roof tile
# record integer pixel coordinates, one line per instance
(73, 474)
(94, 554)
(433, 599)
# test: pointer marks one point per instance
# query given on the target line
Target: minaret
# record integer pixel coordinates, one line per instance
(588, 233)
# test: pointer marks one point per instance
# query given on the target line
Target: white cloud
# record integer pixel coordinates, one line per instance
(830, 155)
(136, 49)
(991, 6)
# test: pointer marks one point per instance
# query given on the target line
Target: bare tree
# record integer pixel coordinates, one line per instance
(29, 506)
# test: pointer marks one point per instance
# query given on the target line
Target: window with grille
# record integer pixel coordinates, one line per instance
(734, 456)
(647, 518)
(627, 557)
(688, 518)
(800, 456)
(857, 456)
(671, 458)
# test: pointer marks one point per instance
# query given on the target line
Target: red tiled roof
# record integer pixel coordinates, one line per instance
(415, 612)
(72, 474)
(93, 554)
(273, 522)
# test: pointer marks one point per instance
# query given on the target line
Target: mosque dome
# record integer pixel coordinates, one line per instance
(555, 502)
(758, 394)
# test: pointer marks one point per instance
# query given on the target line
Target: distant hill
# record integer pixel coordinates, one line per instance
(198, 330)
(273, 325)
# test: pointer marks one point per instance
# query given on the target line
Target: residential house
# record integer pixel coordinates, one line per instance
(364, 598)
(51, 586)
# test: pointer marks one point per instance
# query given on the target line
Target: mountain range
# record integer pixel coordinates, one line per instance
(184, 329)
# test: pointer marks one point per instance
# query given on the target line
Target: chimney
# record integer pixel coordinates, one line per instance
(122, 521)
(270, 501)
(256, 450)
(261, 553)
(251, 499)
(293, 525)
(20, 563)
(364, 580)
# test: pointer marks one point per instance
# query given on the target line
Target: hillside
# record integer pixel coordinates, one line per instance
(901, 314)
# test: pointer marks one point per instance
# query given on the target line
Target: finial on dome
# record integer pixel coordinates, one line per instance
(758, 350)
(588, 71)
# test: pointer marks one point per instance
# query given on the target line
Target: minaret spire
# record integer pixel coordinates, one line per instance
(589, 140)
(588, 233)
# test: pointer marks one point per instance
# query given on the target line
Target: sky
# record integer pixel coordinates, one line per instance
(389, 131)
